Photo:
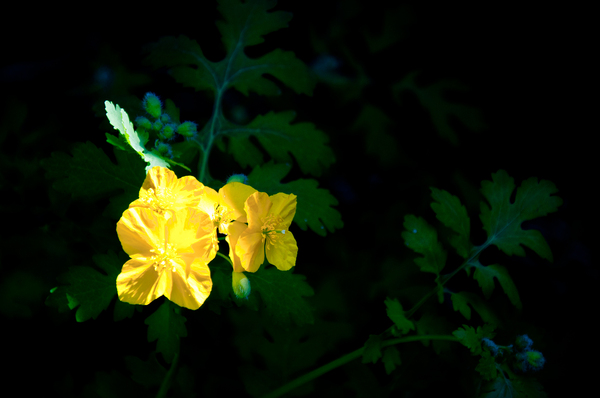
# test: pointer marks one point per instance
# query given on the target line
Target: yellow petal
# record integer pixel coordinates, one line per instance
(257, 207)
(140, 230)
(234, 231)
(250, 248)
(136, 284)
(234, 195)
(190, 291)
(284, 205)
(283, 252)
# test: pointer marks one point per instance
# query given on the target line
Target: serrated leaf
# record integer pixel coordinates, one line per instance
(391, 359)
(514, 387)
(422, 238)
(167, 326)
(120, 121)
(485, 275)
(90, 173)
(314, 208)
(148, 373)
(89, 290)
(453, 214)
(396, 314)
(487, 366)
(502, 221)
(471, 338)
(463, 301)
(372, 349)
(280, 139)
(282, 293)
(441, 111)
(244, 25)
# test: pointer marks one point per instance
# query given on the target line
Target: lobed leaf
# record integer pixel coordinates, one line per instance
(471, 338)
(391, 358)
(314, 208)
(283, 293)
(90, 173)
(244, 25)
(502, 219)
(167, 326)
(453, 214)
(422, 238)
(372, 349)
(485, 275)
(280, 139)
(87, 289)
(396, 314)
(120, 121)
(463, 301)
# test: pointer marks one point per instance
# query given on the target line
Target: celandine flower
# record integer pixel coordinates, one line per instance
(168, 256)
(164, 193)
(269, 218)
(226, 205)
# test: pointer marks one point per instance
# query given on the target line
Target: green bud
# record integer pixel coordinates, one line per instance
(187, 129)
(238, 178)
(152, 105)
(241, 285)
(143, 122)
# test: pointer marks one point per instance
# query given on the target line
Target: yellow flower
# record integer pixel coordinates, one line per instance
(168, 256)
(269, 218)
(226, 205)
(164, 193)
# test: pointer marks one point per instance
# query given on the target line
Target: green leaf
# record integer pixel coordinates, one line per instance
(462, 300)
(120, 121)
(502, 221)
(283, 293)
(372, 349)
(91, 174)
(88, 289)
(391, 358)
(396, 314)
(453, 214)
(148, 373)
(422, 238)
(514, 387)
(244, 25)
(314, 208)
(471, 338)
(280, 139)
(432, 98)
(487, 366)
(485, 276)
(167, 326)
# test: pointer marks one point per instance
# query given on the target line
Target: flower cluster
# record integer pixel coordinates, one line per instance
(170, 235)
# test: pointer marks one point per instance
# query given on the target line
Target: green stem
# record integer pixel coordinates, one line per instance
(167, 381)
(203, 166)
(225, 257)
(345, 359)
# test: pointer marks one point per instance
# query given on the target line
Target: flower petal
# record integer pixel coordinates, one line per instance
(234, 231)
(284, 205)
(234, 195)
(190, 291)
(283, 252)
(257, 207)
(250, 248)
(140, 230)
(136, 284)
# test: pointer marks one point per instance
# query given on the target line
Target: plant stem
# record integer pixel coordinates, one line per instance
(345, 359)
(167, 381)
(225, 257)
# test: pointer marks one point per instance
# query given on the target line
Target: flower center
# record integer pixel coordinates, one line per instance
(222, 217)
(160, 200)
(271, 226)
(164, 258)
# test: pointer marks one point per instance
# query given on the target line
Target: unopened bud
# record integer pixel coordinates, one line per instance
(240, 284)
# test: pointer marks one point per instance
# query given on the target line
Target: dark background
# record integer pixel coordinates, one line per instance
(529, 73)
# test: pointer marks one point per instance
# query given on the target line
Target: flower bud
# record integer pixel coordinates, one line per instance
(163, 149)
(238, 178)
(143, 122)
(187, 129)
(152, 105)
(168, 132)
(240, 284)
(523, 343)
